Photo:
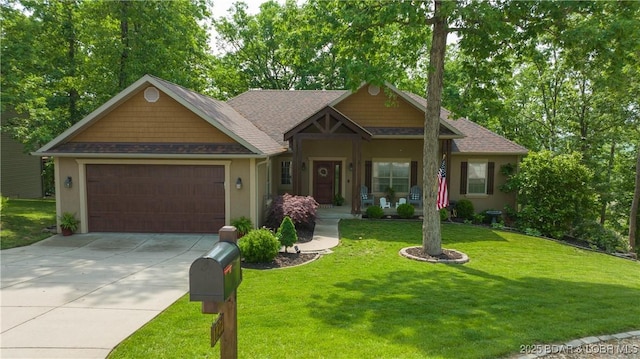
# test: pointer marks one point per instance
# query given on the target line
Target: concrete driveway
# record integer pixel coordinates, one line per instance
(79, 296)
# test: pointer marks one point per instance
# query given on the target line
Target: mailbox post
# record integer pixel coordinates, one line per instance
(213, 280)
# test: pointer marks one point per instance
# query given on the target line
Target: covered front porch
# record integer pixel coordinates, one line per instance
(344, 212)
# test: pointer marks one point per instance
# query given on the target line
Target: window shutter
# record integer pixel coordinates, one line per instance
(414, 173)
(490, 176)
(367, 174)
(463, 177)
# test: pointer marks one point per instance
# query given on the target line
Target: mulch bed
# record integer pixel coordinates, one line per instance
(288, 259)
(446, 254)
(283, 260)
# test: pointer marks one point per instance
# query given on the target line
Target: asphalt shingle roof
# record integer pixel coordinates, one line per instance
(277, 111)
(228, 117)
(258, 119)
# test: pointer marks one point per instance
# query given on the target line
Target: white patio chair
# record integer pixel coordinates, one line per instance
(384, 203)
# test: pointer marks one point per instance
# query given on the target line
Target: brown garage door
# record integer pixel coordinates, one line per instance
(155, 198)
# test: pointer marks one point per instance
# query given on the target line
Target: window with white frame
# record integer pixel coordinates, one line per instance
(391, 174)
(477, 178)
(285, 172)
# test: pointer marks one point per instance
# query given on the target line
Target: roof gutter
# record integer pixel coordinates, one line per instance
(149, 156)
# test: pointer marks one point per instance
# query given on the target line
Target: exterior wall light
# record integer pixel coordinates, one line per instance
(68, 183)
(304, 166)
(239, 183)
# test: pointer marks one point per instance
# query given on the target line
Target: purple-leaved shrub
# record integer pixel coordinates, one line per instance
(301, 210)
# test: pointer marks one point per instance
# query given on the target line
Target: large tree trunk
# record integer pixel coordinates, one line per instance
(69, 33)
(431, 237)
(633, 217)
(124, 41)
(605, 198)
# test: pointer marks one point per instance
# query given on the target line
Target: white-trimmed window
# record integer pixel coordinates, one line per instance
(285, 172)
(477, 178)
(391, 174)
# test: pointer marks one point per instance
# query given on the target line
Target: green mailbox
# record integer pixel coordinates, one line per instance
(216, 275)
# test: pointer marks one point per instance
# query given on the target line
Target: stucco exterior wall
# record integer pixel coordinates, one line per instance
(68, 199)
(498, 199)
(238, 202)
(333, 150)
(264, 190)
(241, 201)
(393, 150)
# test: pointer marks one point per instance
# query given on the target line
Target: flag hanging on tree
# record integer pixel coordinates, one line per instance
(443, 196)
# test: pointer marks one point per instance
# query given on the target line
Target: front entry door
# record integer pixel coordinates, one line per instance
(326, 181)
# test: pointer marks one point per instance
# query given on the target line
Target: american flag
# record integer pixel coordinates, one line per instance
(443, 196)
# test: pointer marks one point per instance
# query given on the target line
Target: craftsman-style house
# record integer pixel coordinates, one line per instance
(161, 158)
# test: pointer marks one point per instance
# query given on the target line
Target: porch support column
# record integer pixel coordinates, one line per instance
(356, 176)
(297, 165)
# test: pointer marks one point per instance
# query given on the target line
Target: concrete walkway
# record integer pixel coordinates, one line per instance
(79, 296)
(325, 234)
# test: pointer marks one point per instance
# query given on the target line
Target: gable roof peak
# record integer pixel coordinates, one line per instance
(217, 113)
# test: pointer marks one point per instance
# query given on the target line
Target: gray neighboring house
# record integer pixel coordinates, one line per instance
(20, 173)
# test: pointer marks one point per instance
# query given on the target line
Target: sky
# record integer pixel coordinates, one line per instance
(220, 7)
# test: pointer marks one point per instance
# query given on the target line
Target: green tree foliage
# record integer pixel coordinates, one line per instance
(555, 192)
(568, 81)
(287, 234)
(62, 59)
(163, 38)
(41, 60)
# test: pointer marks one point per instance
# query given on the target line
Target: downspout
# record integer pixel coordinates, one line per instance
(256, 213)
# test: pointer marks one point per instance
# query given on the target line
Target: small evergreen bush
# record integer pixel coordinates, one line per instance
(243, 225)
(405, 210)
(301, 209)
(444, 214)
(478, 218)
(287, 234)
(375, 212)
(259, 246)
(465, 210)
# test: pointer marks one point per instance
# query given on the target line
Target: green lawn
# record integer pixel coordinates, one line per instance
(365, 301)
(23, 221)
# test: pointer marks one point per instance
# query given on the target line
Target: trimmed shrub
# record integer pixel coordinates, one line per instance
(532, 232)
(287, 234)
(405, 210)
(375, 212)
(3, 201)
(465, 210)
(259, 246)
(600, 237)
(243, 225)
(301, 210)
(444, 214)
(555, 192)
